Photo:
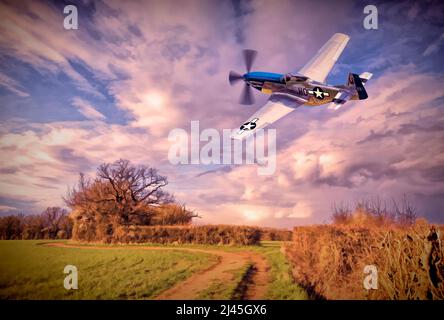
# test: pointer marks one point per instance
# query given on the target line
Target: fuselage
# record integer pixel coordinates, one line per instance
(293, 86)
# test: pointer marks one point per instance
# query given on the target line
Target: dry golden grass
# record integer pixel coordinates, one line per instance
(329, 260)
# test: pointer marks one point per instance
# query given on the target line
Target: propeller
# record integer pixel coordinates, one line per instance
(246, 97)
(234, 77)
(249, 57)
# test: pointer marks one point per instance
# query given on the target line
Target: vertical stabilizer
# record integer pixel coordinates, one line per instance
(355, 81)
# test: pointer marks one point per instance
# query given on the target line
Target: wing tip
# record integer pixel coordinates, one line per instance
(240, 136)
(341, 36)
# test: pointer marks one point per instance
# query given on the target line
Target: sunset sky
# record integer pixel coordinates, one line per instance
(133, 71)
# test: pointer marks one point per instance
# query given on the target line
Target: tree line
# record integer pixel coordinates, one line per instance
(120, 194)
(53, 223)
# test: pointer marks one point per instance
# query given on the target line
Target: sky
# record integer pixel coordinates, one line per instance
(135, 70)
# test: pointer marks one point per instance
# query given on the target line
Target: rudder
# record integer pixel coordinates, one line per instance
(355, 81)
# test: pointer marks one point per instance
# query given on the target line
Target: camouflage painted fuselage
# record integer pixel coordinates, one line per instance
(294, 86)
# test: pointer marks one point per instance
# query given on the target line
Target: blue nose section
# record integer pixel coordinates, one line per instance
(263, 76)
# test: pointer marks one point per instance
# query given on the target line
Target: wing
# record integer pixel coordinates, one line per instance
(320, 65)
(273, 110)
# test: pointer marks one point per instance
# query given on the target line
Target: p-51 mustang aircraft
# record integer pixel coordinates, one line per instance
(292, 90)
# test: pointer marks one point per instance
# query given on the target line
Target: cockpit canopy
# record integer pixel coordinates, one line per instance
(293, 77)
(287, 78)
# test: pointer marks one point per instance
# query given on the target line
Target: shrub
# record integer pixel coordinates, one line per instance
(329, 261)
(375, 211)
(203, 234)
(272, 234)
(172, 214)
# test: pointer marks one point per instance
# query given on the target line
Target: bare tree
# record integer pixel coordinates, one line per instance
(50, 224)
(341, 213)
(400, 212)
(121, 193)
(405, 212)
(53, 221)
(11, 227)
(136, 184)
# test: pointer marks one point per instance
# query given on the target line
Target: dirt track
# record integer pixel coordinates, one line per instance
(256, 285)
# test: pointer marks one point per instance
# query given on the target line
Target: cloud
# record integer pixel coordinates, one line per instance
(34, 34)
(7, 208)
(301, 210)
(155, 68)
(12, 85)
(87, 109)
(44, 159)
(434, 46)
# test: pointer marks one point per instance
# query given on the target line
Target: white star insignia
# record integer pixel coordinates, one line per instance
(318, 93)
(248, 126)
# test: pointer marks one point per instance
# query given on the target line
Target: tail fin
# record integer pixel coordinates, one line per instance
(365, 76)
(355, 81)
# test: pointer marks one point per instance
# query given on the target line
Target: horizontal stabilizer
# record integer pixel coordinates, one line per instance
(338, 101)
(365, 76)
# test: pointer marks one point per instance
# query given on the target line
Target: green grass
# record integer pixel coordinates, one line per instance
(281, 287)
(31, 271)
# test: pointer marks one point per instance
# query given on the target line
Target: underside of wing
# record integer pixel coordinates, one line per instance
(321, 64)
(272, 111)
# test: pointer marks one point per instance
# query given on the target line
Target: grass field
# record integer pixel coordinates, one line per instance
(282, 285)
(32, 271)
